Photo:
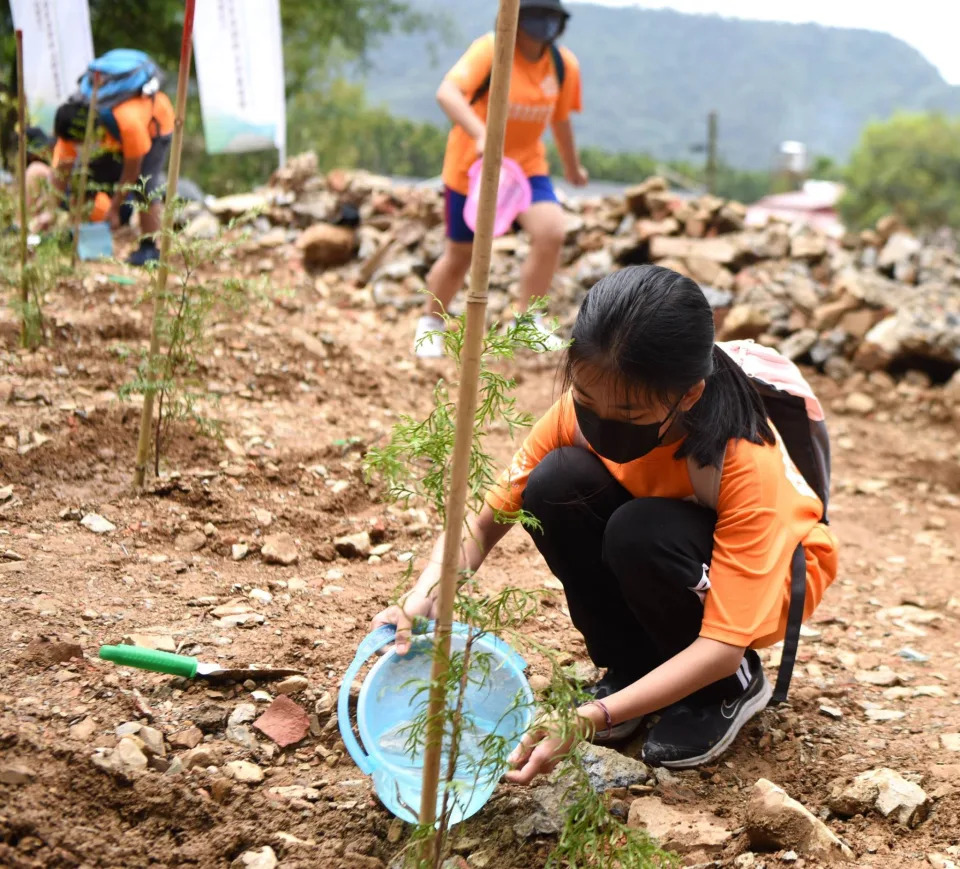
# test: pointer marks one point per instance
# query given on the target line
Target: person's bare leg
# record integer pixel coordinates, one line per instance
(545, 224)
(41, 204)
(39, 179)
(151, 219)
(447, 276)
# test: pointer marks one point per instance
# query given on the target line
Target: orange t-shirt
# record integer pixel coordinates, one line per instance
(765, 509)
(535, 102)
(135, 120)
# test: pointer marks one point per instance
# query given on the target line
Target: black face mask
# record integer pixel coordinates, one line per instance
(621, 442)
(542, 25)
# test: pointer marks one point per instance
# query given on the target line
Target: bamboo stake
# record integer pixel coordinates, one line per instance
(160, 282)
(80, 195)
(467, 398)
(22, 189)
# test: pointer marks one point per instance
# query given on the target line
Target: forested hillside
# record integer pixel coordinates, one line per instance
(651, 77)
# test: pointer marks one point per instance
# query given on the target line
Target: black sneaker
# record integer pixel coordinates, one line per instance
(691, 734)
(610, 684)
(146, 253)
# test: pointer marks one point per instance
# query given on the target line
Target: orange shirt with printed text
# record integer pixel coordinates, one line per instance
(536, 101)
(140, 121)
(765, 509)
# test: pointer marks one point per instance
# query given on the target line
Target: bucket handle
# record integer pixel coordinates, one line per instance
(371, 644)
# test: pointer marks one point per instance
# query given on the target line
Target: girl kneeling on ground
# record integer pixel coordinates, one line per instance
(672, 598)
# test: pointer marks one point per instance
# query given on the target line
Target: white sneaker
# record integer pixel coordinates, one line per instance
(427, 345)
(550, 340)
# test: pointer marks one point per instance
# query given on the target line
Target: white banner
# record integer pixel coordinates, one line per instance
(240, 73)
(57, 47)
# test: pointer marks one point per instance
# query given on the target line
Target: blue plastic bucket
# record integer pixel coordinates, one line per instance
(95, 241)
(497, 710)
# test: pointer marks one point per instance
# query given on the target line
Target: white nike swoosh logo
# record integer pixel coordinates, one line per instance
(732, 709)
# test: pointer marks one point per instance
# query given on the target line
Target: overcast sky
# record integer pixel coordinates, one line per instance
(932, 26)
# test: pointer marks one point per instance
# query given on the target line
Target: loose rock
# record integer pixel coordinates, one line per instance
(83, 730)
(261, 596)
(280, 549)
(296, 792)
(152, 740)
(859, 403)
(129, 753)
(97, 524)
(950, 741)
(191, 541)
(16, 773)
(293, 685)
(609, 769)
(774, 820)
(885, 791)
(324, 245)
(49, 653)
(201, 756)
(243, 771)
(158, 642)
(261, 858)
(353, 545)
(284, 722)
(189, 738)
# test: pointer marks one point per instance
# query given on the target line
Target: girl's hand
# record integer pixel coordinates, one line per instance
(480, 141)
(543, 746)
(578, 176)
(414, 603)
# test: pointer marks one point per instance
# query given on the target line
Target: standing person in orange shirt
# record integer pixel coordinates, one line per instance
(137, 157)
(544, 91)
(672, 593)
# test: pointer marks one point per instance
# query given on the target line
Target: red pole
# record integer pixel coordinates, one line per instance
(22, 185)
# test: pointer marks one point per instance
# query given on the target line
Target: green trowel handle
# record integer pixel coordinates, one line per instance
(150, 659)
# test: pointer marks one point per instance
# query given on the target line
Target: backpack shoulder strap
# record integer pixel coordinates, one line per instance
(481, 91)
(706, 482)
(559, 66)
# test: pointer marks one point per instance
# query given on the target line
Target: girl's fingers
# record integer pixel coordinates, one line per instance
(385, 617)
(395, 615)
(404, 631)
(541, 760)
(526, 746)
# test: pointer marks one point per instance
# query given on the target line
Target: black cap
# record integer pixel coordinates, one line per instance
(550, 5)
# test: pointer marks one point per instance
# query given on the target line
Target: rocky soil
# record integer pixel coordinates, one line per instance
(235, 555)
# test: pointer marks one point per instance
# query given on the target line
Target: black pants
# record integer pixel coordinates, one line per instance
(633, 569)
(106, 168)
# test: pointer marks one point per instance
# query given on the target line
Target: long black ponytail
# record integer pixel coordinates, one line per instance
(651, 330)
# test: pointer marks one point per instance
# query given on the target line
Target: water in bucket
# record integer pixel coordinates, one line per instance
(514, 196)
(497, 710)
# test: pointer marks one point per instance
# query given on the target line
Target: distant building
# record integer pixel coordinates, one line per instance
(815, 204)
(792, 157)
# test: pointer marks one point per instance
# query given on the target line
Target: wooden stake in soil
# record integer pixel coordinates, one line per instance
(80, 194)
(467, 398)
(22, 189)
(160, 281)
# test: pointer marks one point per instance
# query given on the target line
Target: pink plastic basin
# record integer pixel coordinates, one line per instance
(513, 196)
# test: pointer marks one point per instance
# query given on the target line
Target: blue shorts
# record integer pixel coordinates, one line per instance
(457, 229)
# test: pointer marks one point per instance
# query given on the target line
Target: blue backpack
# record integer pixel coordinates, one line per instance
(124, 74)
